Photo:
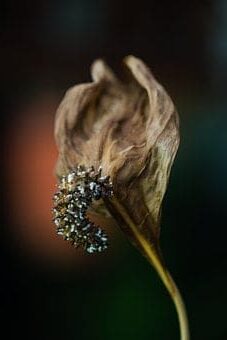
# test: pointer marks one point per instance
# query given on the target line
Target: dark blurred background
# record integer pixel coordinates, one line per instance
(51, 291)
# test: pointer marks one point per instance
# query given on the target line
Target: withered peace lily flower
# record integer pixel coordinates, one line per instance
(117, 139)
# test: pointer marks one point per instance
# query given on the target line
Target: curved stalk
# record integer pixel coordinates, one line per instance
(173, 291)
(152, 255)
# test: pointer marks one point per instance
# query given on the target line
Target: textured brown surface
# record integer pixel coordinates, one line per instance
(130, 128)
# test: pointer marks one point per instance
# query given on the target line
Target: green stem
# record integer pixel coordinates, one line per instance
(175, 295)
(155, 260)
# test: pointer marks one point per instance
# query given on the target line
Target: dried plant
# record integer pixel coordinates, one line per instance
(129, 130)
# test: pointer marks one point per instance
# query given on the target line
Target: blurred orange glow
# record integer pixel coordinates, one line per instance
(31, 159)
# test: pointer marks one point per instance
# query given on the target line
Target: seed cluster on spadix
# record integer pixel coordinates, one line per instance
(75, 194)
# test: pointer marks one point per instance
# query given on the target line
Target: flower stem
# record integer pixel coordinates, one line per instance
(174, 293)
(150, 250)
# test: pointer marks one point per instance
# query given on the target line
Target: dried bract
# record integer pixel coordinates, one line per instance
(130, 129)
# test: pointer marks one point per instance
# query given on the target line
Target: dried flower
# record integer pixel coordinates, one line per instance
(130, 129)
